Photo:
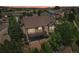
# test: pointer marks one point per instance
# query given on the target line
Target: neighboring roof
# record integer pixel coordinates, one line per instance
(36, 21)
(12, 13)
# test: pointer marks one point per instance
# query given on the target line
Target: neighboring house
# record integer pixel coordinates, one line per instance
(57, 13)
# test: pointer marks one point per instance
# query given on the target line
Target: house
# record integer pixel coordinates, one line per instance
(37, 25)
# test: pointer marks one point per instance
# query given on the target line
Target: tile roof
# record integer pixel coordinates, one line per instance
(36, 21)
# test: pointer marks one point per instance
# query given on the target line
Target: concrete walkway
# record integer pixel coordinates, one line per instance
(3, 33)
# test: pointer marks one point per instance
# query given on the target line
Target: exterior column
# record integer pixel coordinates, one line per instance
(25, 31)
(47, 30)
(36, 29)
(27, 35)
(43, 29)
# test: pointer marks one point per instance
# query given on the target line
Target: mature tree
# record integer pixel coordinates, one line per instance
(10, 47)
(56, 7)
(34, 11)
(66, 31)
(71, 16)
(76, 31)
(39, 12)
(15, 34)
(24, 13)
(55, 41)
(63, 35)
(14, 29)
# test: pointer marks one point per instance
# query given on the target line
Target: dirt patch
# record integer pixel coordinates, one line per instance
(34, 44)
(67, 50)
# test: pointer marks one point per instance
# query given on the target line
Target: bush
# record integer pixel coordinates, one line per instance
(34, 50)
(46, 47)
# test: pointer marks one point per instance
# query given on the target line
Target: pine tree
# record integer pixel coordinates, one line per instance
(16, 35)
(14, 29)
